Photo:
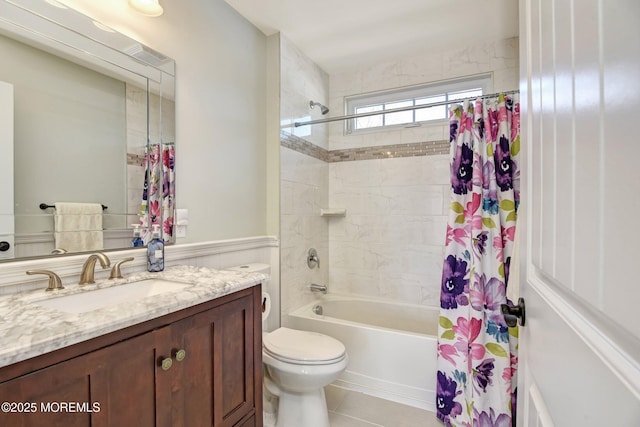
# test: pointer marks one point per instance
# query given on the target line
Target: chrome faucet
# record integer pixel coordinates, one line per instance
(318, 288)
(88, 269)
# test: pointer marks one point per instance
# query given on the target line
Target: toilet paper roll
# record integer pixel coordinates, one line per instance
(266, 305)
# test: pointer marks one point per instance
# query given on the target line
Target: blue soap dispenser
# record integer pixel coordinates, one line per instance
(137, 241)
(155, 251)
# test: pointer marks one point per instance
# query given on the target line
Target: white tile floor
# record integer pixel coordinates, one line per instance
(353, 409)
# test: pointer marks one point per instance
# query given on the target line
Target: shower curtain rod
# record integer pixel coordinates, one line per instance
(395, 110)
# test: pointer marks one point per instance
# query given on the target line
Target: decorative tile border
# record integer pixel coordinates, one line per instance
(301, 145)
(135, 159)
(427, 148)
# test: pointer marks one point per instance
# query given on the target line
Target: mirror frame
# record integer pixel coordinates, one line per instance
(71, 35)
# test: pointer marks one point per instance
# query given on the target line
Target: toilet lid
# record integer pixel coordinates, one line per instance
(291, 345)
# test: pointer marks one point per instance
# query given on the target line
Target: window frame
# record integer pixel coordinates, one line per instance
(410, 93)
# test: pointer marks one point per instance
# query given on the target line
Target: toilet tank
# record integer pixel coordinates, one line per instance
(255, 267)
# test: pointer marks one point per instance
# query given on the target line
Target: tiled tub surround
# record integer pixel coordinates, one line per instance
(304, 191)
(29, 330)
(498, 58)
(301, 81)
(426, 148)
(393, 183)
(390, 243)
(303, 177)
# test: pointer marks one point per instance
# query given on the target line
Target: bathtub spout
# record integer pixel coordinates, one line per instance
(318, 288)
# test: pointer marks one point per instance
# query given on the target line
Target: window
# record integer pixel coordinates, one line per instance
(411, 97)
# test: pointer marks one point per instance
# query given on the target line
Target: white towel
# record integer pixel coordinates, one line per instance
(513, 287)
(78, 226)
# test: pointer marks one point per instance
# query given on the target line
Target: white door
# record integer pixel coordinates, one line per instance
(580, 266)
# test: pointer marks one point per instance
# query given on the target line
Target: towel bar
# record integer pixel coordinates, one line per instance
(44, 206)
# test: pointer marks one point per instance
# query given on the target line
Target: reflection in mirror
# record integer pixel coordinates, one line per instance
(87, 114)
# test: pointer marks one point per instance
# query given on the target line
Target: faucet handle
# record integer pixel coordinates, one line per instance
(312, 259)
(54, 280)
(115, 270)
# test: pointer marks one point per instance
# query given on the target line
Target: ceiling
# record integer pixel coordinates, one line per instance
(341, 34)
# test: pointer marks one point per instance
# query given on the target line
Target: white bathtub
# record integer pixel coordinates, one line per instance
(391, 346)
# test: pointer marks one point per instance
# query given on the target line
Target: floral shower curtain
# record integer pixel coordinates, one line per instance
(159, 189)
(477, 352)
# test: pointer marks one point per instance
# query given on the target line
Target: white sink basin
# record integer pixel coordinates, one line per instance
(108, 297)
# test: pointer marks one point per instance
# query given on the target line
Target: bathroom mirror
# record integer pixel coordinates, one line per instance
(86, 103)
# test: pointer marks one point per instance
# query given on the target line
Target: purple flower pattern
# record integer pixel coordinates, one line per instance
(462, 170)
(445, 395)
(503, 164)
(487, 297)
(483, 373)
(480, 243)
(475, 273)
(454, 283)
(453, 130)
(489, 419)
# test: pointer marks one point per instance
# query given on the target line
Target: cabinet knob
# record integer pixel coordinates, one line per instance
(166, 363)
(181, 354)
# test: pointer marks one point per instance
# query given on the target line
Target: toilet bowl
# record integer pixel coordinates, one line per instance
(297, 367)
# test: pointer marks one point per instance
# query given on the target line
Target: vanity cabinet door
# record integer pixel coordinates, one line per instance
(132, 387)
(214, 385)
(114, 386)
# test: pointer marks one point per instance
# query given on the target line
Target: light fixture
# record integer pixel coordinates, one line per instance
(147, 7)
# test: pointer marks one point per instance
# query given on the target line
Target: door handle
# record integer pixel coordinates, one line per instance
(514, 314)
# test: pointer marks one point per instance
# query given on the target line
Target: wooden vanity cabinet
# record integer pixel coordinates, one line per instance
(198, 367)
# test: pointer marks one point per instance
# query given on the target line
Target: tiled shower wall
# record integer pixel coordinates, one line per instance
(391, 242)
(499, 58)
(304, 180)
(394, 184)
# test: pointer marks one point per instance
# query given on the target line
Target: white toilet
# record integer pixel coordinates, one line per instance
(297, 367)
(298, 364)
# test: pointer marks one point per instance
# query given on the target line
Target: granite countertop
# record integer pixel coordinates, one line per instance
(28, 330)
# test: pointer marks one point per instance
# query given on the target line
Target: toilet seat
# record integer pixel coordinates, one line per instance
(303, 347)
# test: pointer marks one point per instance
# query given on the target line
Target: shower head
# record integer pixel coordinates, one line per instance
(324, 110)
